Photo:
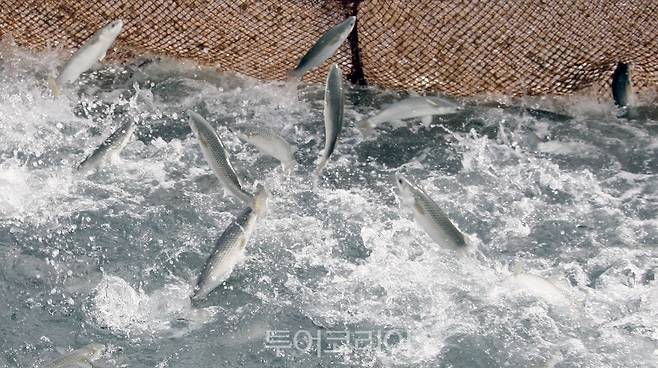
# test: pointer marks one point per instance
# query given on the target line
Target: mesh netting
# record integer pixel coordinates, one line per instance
(456, 47)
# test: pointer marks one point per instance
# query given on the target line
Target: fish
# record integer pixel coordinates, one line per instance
(621, 84)
(430, 217)
(82, 357)
(91, 51)
(217, 156)
(323, 49)
(110, 147)
(538, 287)
(411, 107)
(334, 106)
(268, 142)
(230, 247)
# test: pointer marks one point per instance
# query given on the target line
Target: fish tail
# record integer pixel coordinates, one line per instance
(320, 168)
(197, 294)
(365, 127)
(294, 75)
(54, 87)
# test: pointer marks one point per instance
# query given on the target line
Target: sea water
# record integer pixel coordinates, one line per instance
(565, 229)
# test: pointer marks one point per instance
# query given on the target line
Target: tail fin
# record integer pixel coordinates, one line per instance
(321, 166)
(54, 87)
(295, 76)
(287, 166)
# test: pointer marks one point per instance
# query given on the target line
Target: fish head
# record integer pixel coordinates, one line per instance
(405, 187)
(113, 28)
(94, 351)
(350, 22)
(260, 201)
(194, 119)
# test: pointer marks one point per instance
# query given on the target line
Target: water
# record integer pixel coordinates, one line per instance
(112, 257)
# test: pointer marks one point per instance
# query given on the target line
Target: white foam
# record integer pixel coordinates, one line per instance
(132, 312)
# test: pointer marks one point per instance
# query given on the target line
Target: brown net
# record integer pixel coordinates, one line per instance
(456, 47)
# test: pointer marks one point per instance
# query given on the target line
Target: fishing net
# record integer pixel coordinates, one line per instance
(457, 47)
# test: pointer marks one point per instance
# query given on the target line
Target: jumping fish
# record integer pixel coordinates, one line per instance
(268, 142)
(91, 51)
(326, 46)
(621, 84)
(430, 217)
(537, 286)
(230, 247)
(82, 357)
(411, 107)
(217, 156)
(111, 147)
(334, 105)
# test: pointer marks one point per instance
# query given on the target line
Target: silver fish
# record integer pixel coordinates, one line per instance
(230, 247)
(217, 156)
(621, 84)
(78, 358)
(91, 51)
(268, 142)
(412, 107)
(334, 106)
(430, 217)
(110, 147)
(326, 46)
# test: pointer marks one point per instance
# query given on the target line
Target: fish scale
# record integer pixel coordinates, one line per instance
(78, 358)
(430, 217)
(110, 146)
(229, 248)
(430, 207)
(268, 142)
(334, 106)
(217, 156)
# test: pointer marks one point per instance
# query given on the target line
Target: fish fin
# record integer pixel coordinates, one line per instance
(197, 295)
(426, 120)
(287, 166)
(294, 75)
(365, 127)
(320, 167)
(102, 56)
(419, 208)
(54, 87)
(243, 244)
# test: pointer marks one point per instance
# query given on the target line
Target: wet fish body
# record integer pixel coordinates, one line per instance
(110, 147)
(230, 247)
(412, 107)
(430, 217)
(621, 84)
(78, 358)
(334, 106)
(217, 156)
(537, 286)
(324, 48)
(268, 142)
(91, 51)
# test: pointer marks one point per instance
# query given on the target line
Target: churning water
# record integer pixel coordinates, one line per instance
(112, 257)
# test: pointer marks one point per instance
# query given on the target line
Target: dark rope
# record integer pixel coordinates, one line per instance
(356, 74)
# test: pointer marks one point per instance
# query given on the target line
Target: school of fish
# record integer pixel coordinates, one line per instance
(231, 246)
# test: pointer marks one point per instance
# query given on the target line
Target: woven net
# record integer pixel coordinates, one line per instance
(525, 47)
